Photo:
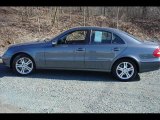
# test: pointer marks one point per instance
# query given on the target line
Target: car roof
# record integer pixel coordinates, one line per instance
(119, 32)
(94, 27)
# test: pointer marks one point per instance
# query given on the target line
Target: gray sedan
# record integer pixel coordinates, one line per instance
(86, 48)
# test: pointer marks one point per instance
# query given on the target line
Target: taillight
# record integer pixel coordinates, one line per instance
(156, 53)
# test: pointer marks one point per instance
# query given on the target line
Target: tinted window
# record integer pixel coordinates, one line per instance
(101, 37)
(117, 40)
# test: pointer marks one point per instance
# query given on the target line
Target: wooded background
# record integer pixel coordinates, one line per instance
(21, 24)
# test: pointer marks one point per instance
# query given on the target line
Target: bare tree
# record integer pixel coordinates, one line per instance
(39, 24)
(70, 12)
(87, 13)
(104, 11)
(61, 10)
(54, 17)
(101, 10)
(80, 9)
(144, 12)
(84, 17)
(117, 17)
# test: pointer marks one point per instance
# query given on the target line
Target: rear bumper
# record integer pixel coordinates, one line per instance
(149, 66)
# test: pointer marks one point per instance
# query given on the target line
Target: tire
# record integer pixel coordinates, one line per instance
(124, 70)
(23, 65)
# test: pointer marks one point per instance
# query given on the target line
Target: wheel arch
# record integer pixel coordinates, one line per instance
(130, 58)
(24, 53)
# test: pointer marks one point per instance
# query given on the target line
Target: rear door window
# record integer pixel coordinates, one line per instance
(101, 37)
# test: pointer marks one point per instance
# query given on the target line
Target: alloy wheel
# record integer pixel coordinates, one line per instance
(24, 65)
(125, 70)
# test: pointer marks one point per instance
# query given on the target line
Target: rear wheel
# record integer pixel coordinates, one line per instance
(23, 64)
(124, 70)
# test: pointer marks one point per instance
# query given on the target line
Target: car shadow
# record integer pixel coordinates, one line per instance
(63, 75)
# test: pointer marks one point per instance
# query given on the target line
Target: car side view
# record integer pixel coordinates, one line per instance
(87, 48)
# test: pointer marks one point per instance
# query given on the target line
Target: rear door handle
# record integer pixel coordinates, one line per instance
(116, 49)
(80, 49)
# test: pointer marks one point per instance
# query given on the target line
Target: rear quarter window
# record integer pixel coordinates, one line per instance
(117, 40)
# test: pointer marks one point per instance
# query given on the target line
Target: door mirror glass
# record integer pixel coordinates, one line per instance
(54, 43)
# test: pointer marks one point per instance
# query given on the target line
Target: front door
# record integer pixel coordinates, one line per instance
(69, 51)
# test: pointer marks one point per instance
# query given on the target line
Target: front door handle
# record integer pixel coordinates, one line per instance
(80, 49)
(116, 49)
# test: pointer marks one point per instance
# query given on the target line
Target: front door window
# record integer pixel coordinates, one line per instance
(76, 37)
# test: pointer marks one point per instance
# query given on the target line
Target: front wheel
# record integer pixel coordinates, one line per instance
(23, 65)
(124, 70)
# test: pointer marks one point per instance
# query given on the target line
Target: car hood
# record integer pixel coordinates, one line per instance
(29, 44)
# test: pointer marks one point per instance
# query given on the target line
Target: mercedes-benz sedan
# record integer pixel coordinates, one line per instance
(86, 48)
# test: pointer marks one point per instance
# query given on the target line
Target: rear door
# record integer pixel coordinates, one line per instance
(103, 48)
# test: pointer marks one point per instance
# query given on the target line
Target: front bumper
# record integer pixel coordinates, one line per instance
(1, 59)
(5, 60)
(149, 66)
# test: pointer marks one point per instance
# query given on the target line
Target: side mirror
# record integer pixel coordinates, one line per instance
(54, 43)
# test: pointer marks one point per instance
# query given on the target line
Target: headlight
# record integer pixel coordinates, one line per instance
(5, 52)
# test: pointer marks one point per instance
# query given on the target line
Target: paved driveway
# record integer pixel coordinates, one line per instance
(78, 91)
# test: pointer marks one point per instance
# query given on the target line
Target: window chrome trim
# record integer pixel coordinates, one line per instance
(90, 37)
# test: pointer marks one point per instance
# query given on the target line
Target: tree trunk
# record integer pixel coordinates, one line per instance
(144, 12)
(55, 15)
(70, 13)
(39, 24)
(117, 16)
(87, 13)
(84, 22)
(104, 11)
(80, 9)
(101, 9)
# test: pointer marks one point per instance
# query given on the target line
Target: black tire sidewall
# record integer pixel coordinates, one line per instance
(120, 61)
(17, 58)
